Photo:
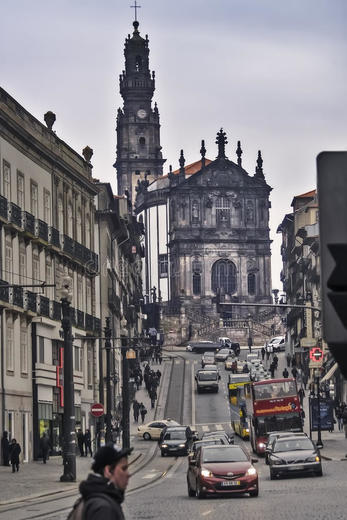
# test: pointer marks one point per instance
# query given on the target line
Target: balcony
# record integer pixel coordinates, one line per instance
(79, 251)
(56, 310)
(73, 316)
(3, 207)
(31, 301)
(113, 301)
(44, 306)
(89, 322)
(15, 214)
(17, 296)
(28, 222)
(53, 237)
(97, 325)
(42, 230)
(68, 245)
(4, 291)
(80, 319)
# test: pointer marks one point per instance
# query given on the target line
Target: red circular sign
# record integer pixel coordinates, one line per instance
(97, 409)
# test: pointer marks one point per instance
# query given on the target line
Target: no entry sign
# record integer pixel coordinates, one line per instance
(97, 409)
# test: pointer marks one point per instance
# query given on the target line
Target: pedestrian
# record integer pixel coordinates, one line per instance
(301, 394)
(272, 369)
(153, 336)
(275, 360)
(160, 358)
(267, 353)
(262, 353)
(5, 449)
(136, 407)
(289, 358)
(305, 379)
(88, 443)
(285, 373)
(80, 442)
(294, 372)
(344, 418)
(143, 412)
(45, 446)
(293, 361)
(103, 491)
(153, 397)
(15, 450)
(338, 415)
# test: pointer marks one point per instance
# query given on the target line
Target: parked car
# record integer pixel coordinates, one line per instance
(278, 343)
(153, 429)
(222, 470)
(294, 455)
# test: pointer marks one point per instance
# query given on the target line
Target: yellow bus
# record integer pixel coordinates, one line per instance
(239, 387)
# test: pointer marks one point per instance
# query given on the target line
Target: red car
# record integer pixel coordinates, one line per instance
(222, 470)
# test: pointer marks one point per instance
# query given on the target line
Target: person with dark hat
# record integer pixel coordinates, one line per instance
(103, 491)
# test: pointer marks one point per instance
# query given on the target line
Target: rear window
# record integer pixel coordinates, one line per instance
(207, 375)
(225, 454)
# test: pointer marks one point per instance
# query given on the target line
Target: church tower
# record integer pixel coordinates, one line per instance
(138, 128)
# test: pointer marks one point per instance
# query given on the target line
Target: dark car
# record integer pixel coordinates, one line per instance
(175, 441)
(221, 433)
(222, 470)
(294, 455)
(209, 441)
(276, 435)
(190, 434)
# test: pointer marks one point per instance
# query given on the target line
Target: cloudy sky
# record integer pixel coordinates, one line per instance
(272, 73)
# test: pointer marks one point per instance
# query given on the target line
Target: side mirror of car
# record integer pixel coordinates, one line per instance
(254, 461)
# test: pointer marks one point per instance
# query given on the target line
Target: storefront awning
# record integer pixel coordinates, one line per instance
(330, 373)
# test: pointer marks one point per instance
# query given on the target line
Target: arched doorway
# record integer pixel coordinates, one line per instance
(224, 277)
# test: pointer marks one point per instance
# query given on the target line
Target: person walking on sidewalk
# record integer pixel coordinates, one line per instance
(88, 443)
(262, 353)
(285, 373)
(15, 450)
(136, 409)
(143, 412)
(45, 446)
(301, 394)
(5, 449)
(344, 418)
(294, 372)
(338, 415)
(288, 358)
(80, 442)
(103, 491)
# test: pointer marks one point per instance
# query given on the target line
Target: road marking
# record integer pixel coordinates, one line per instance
(178, 362)
(193, 398)
(205, 428)
(219, 427)
(151, 475)
(205, 513)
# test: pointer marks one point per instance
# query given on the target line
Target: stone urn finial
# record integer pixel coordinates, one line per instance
(87, 153)
(49, 118)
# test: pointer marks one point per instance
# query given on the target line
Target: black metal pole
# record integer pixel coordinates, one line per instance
(319, 439)
(108, 334)
(69, 441)
(125, 395)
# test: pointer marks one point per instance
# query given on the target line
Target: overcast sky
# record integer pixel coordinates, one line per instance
(272, 73)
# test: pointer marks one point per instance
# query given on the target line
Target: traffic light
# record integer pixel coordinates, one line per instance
(332, 202)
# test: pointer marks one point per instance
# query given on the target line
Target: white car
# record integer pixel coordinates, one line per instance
(153, 429)
(278, 343)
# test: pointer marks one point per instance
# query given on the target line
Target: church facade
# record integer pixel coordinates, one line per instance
(207, 224)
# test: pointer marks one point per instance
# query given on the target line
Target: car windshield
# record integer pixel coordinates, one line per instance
(175, 435)
(293, 444)
(208, 375)
(225, 454)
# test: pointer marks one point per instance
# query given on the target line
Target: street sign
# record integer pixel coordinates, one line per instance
(97, 409)
(316, 354)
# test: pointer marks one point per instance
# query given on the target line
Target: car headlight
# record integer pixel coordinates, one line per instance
(261, 445)
(206, 472)
(314, 458)
(181, 445)
(251, 471)
(247, 430)
(277, 461)
(164, 445)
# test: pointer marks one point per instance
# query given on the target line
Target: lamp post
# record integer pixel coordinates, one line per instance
(108, 334)
(319, 438)
(250, 340)
(125, 394)
(69, 440)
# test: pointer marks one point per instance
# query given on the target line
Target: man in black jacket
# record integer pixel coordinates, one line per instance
(103, 491)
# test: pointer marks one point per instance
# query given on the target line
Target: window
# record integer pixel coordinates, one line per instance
(23, 347)
(20, 190)
(223, 210)
(79, 226)
(163, 266)
(70, 220)
(60, 215)
(41, 350)
(6, 169)
(49, 276)
(87, 224)
(80, 292)
(9, 344)
(90, 366)
(78, 359)
(22, 262)
(251, 283)
(138, 63)
(8, 258)
(36, 268)
(47, 207)
(142, 141)
(224, 276)
(34, 199)
(89, 295)
(196, 283)
(195, 212)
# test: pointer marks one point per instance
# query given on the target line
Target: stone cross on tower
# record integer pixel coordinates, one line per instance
(221, 141)
(136, 7)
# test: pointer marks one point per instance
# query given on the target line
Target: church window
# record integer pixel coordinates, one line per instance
(196, 284)
(138, 63)
(251, 283)
(249, 212)
(223, 210)
(163, 266)
(195, 212)
(224, 276)
(142, 141)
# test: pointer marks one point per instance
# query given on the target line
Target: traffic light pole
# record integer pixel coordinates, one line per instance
(319, 438)
(125, 395)
(108, 334)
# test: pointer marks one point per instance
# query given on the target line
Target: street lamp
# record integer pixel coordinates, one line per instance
(250, 340)
(69, 434)
(108, 334)
(125, 390)
(319, 439)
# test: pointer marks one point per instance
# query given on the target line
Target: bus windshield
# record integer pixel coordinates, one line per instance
(275, 390)
(279, 423)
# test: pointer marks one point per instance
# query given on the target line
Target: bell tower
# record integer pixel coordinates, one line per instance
(138, 128)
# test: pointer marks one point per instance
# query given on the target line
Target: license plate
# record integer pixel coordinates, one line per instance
(230, 483)
(296, 468)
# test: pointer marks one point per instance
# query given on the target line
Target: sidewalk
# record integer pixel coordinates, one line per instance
(36, 479)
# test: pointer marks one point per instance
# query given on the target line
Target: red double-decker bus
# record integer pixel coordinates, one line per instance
(272, 405)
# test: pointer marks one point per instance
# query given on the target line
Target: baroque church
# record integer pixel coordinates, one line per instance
(207, 223)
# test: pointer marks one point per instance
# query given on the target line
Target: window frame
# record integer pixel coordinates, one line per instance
(34, 202)
(20, 199)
